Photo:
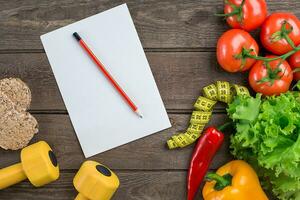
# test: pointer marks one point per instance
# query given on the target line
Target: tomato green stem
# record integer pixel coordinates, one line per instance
(286, 29)
(272, 75)
(285, 33)
(228, 14)
(237, 10)
(297, 85)
(243, 3)
(288, 39)
(296, 70)
(283, 57)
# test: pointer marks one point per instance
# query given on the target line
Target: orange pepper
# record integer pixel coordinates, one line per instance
(234, 181)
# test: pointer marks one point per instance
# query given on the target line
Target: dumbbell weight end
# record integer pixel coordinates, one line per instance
(81, 197)
(11, 175)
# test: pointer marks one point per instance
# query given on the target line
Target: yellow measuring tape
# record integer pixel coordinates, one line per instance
(220, 91)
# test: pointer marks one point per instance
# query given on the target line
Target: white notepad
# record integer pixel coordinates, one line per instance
(101, 119)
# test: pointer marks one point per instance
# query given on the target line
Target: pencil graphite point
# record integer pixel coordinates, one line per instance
(139, 113)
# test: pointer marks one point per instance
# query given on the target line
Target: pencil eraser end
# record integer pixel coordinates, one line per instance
(77, 36)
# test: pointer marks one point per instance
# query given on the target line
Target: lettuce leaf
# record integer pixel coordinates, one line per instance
(267, 136)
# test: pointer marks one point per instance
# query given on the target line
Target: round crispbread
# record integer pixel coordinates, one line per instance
(17, 126)
(18, 132)
(17, 91)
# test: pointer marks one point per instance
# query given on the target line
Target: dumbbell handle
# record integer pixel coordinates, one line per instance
(11, 175)
(81, 197)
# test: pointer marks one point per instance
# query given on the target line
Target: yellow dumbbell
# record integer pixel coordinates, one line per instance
(94, 181)
(38, 164)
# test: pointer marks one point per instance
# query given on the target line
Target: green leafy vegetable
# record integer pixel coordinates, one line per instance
(268, 137)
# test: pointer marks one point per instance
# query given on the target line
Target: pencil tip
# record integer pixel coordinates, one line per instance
(139, 113)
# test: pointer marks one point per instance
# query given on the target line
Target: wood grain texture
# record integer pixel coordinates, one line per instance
(179, 75)
(149, 153)
(160, 23)
(179, 38)
(138, 185)
(135, 185)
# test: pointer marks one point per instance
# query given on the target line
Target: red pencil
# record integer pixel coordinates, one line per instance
(107, 74)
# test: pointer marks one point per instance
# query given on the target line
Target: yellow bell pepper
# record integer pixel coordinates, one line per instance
(234, 181)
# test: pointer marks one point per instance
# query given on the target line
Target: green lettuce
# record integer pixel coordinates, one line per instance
(267, 136)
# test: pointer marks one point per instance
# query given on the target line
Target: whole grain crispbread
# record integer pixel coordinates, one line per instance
(17, 126)
(17, 91)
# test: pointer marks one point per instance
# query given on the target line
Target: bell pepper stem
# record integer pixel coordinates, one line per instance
(221, 181)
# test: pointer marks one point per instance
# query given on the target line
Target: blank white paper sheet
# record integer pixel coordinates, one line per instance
(101, 118)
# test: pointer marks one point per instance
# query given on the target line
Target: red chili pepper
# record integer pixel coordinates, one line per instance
(204, 152)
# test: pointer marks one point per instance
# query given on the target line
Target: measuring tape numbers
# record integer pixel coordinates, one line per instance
(220, 91)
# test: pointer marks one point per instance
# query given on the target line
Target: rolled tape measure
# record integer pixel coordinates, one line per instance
(220, 91)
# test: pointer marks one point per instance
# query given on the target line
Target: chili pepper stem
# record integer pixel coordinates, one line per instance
(225, 126)
(221, 181)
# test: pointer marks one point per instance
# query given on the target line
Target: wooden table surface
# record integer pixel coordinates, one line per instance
(179, 38)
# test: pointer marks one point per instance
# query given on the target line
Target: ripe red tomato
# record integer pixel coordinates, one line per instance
(251, 16)
(271, 79)
(271, 32)
(230, 49)
(294, 62)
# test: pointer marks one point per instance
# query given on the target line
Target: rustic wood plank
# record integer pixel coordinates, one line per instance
(160, 23)
(147, 153)
(179, 76)
(135, 185)
(140, 185)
